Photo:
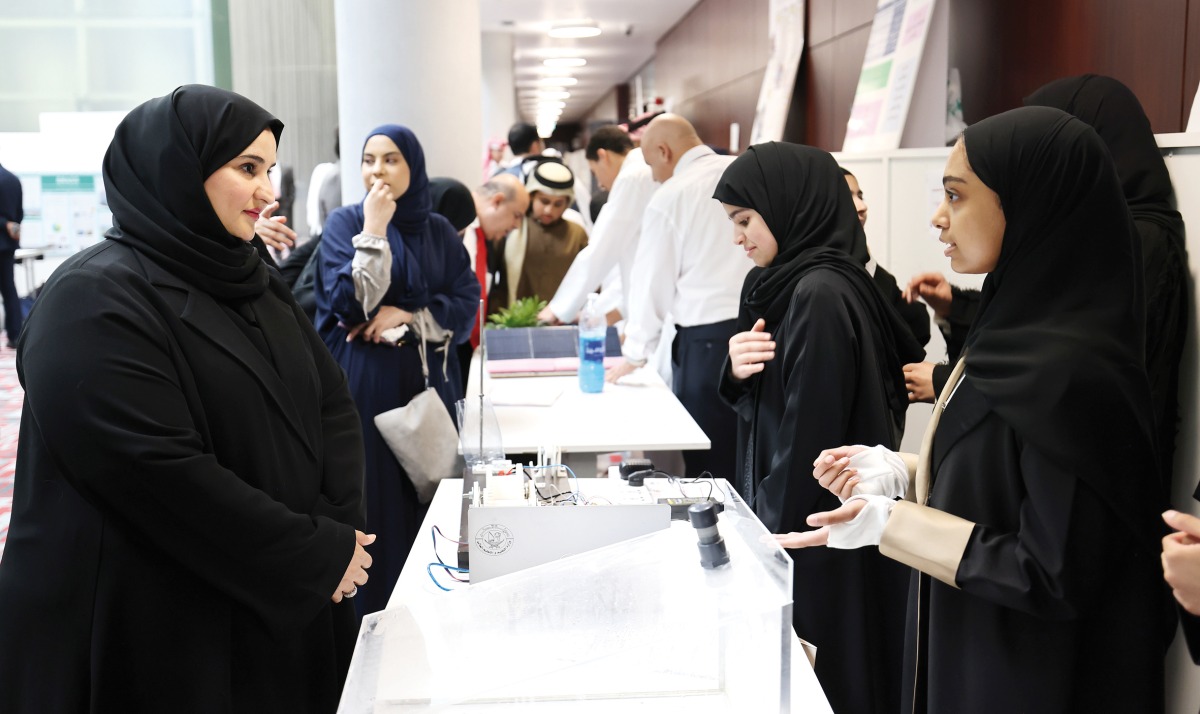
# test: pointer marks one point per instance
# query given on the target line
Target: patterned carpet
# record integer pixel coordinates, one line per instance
(10, 421)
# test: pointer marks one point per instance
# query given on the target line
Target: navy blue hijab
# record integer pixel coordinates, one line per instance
(413, 208)
(410, 290)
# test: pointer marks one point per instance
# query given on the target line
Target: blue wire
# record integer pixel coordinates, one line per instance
(434, 533)
(450, 569)
(429, 569)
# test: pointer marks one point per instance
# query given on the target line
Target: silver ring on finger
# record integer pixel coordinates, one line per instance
(352, 593)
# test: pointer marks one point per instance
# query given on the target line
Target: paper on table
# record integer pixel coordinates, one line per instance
(524, 393)
(640, 377)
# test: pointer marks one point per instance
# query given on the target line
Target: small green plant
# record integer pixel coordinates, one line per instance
(522, 313)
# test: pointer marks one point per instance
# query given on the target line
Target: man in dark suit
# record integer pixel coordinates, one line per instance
(11, 214)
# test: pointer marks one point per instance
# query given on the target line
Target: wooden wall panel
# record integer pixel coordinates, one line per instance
(712, 112)
(829, 73)
(816, 101)
(819, 23)
(1005, 50)
(1191, 59)
(710, 65)
(850, 15)
(711, 46)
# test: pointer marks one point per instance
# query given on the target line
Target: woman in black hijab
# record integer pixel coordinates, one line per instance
(817, 356)
(185, 528)
(1117, 116)
(452, 199)
(1110, 108)
(1033, 531)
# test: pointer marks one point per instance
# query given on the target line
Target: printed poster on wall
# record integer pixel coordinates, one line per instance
(64, 213)
(889, 74)
(786, 32)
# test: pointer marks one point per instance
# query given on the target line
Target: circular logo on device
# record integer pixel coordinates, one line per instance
(494, 539)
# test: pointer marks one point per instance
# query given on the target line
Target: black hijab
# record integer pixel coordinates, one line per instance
(154, 173)
(1056, 348)
(1117, 116)
(452, 199)
(801, 194)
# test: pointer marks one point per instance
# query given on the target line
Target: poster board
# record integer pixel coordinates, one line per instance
(900, 98)
(64, 213)
(786, 34)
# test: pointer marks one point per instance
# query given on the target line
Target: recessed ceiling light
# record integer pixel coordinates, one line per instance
(573, 29)
(547, 94)
(556, 105)
(564, 62)
(558, 81)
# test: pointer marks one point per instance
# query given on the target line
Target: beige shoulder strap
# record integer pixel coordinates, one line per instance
(925, 460)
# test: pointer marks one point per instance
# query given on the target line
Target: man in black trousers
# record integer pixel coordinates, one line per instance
(11, 215)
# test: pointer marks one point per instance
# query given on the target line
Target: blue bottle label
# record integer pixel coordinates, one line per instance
(591, 364)
(592, 348)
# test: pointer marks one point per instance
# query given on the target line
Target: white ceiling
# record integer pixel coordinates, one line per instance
(629, 31)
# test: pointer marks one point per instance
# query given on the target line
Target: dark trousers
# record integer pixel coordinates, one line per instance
(697, 355)
(8, 291)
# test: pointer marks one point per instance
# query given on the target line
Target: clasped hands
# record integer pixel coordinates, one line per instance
(385, 319)
(867, 480)
(356, 571)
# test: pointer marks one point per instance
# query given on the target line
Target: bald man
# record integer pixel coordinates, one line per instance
(500, 206)
(688, 270)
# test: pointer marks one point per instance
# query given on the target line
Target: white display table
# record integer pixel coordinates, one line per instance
(429, 650)
(639, 414)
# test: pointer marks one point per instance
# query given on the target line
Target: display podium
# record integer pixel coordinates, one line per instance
(639, 622)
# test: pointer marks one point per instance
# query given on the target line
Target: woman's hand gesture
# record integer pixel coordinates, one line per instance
(830, 470)
(356, 571)
(378, 208)
(807, 539)
(750, 351)
(918, 380)
(272, 230)
(933, 289)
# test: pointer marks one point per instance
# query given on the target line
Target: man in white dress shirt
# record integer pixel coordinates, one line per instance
(687, 269)
(620, 170)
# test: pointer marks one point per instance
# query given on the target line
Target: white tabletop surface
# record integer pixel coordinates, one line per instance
(639, 413)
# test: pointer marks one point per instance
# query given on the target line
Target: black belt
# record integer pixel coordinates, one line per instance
(714, 328)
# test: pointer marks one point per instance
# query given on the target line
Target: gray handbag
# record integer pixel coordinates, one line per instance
(422, 435)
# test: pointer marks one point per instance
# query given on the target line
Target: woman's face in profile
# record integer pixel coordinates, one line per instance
(860, 203)
(382, 159)
(751, 232)
(240, 189)
(969, 217)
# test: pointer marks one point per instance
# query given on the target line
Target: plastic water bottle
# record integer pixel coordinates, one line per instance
(592, 331)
